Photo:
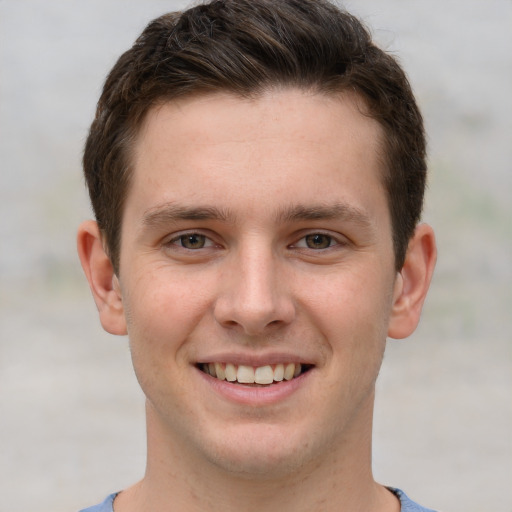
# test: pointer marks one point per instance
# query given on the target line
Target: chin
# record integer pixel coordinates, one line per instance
(259, 466)
(261, 453)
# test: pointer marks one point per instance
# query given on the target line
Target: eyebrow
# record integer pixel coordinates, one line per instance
(172, 212)
(337, 211)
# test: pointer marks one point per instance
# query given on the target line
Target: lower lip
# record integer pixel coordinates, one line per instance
(255, 395)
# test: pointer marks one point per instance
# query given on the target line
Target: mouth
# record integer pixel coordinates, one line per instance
(254, 376)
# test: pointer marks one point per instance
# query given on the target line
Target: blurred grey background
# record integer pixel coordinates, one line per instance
(71, 414)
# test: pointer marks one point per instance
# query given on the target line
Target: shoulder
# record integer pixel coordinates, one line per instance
(407, 505)
(105, 506)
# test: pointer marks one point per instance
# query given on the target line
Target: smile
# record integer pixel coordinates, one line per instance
(262, 375)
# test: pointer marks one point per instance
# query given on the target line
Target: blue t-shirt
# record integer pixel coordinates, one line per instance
(407, 505)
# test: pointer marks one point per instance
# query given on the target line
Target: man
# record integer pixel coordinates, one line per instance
(257, 170)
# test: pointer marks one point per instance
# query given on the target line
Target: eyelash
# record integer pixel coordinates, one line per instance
(207, 242)
(179, 239)
(332, 241)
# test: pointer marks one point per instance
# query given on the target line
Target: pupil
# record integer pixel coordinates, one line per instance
(318, 241)
(193, 241)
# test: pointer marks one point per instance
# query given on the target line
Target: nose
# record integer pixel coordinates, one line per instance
(255, 294)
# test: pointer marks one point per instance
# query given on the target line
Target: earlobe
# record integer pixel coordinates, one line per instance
(102, 279)
(413, 283)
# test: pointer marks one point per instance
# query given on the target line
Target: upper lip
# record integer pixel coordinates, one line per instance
(255, 360)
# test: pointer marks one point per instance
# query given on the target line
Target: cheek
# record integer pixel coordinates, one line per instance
(351, 310)
(351, 296)
(162, 310)
(161, 315)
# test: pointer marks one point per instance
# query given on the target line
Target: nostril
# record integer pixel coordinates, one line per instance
(253, 313)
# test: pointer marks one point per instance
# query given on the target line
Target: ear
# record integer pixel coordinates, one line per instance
(103, 282)
(412, 283)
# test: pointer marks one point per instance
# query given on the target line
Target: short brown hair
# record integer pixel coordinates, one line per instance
(246, 47)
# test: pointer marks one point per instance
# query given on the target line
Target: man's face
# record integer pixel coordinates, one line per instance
(256, 240)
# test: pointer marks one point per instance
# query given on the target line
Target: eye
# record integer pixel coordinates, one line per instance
(191, 241)
(316, 241)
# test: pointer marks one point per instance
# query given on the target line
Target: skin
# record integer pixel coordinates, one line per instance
(292, 261)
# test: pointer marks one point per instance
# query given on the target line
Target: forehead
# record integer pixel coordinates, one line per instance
(279, 146)
(301, 110)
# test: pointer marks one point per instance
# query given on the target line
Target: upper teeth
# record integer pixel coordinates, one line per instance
(253, 375)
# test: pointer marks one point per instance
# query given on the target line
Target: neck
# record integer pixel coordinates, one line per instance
(176, 480)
